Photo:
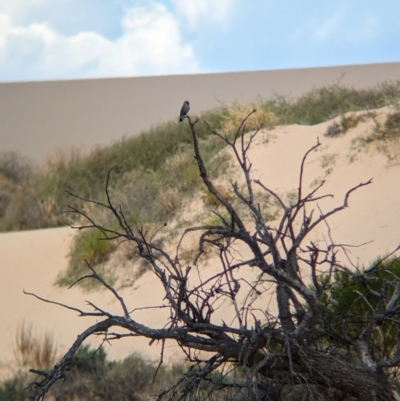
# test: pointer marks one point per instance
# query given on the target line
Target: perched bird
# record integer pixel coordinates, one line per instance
(184, 110)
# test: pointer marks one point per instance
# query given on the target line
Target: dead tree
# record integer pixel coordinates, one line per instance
(275, 353)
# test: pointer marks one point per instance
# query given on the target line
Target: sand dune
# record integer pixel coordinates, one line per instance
(38, 116)
(31, 260)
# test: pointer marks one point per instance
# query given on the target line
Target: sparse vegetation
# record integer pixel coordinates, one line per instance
(92, 375)
(328, 161)
(323, 104)
(347, 122)
(89, 247)
(210, 201)
(34, 350)
(385, 137)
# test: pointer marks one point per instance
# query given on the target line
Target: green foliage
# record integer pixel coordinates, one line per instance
(352, 301)
(14, 389)
(89, 360)
(323, 104)
(92, 247)
(93, 376)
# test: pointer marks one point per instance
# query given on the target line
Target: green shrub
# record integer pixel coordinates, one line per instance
(350, 302)
(87, 360)
(92, 376)
(89, 246)
(14, 389)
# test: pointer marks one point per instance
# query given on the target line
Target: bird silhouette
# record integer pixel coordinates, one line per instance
(184, 110)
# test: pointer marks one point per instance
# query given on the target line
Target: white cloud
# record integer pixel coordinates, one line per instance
(326, 27)
(151, 43)
(195, 13)
(339, 27)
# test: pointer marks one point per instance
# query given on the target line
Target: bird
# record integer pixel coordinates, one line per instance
(184, 110)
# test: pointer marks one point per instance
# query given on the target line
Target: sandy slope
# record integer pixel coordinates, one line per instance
(31, 260)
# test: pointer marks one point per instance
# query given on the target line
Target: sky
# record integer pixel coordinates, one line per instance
(69, 39)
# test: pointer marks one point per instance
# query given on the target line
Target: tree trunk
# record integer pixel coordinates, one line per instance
(355, 380)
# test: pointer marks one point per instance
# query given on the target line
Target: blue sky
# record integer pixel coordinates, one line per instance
(64, 39)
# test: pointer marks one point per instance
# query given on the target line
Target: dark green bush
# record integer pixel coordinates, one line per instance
(350, 303)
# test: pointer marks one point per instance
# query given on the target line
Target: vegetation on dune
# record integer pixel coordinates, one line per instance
(154, 173)
(92, 374)
(322, 104)
(385, 137)
(34, 197)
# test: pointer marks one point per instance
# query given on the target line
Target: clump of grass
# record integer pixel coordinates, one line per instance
(210, 201)
(31, 350)
(385, 136)
(15, 174)
(347, 122)
(236, 113)
(93, 376)
(333, 130)
(328, 162)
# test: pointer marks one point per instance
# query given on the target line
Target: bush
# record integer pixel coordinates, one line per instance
(238, 112)
(92, 376)
(351, 303)
(89, 246)
(14, 389)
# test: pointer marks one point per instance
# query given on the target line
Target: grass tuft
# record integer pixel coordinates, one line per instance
(31, 350)
(262, 118)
